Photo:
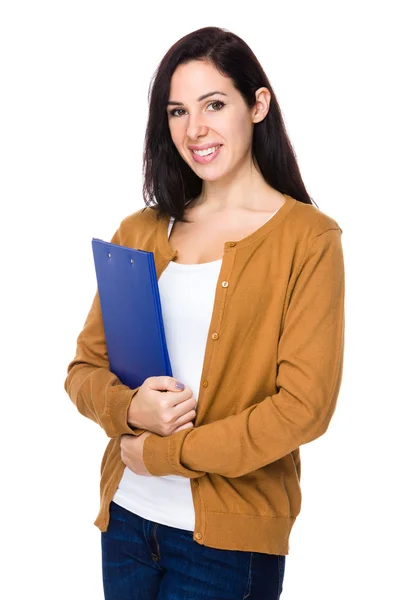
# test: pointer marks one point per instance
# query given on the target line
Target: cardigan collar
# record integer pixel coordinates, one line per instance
(169, 252)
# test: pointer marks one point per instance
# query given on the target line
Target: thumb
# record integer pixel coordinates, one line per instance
(164, 382)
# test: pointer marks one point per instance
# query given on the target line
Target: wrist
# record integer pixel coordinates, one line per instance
(132, 416)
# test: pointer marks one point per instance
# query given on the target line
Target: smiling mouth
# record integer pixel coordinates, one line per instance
(207, 151)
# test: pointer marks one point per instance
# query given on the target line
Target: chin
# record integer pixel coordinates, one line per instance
(211, 177)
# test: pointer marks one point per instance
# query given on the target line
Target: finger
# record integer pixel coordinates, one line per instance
(164, 382)
(186, 426)
(184, 408)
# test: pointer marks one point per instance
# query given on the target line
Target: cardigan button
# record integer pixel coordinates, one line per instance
(198, 536)
(231, 244)
(225, 283)
(205, 383)
(195, 483)
(215, 336)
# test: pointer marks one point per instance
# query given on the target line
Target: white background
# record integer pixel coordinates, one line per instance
(74, 80)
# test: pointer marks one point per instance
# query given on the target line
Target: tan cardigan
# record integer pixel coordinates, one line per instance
(270, 380)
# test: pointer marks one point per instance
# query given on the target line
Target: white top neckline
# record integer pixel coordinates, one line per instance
(176, 265)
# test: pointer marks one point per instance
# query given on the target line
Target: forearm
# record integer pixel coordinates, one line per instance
(99, 395)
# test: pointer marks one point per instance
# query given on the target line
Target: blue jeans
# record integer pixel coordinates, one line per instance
(144, 560)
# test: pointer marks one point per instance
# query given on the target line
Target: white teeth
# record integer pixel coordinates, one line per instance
(207, 151)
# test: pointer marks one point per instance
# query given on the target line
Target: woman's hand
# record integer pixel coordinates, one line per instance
(132, 452)
(159, 407)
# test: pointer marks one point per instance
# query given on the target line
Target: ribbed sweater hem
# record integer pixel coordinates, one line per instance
(230, 531)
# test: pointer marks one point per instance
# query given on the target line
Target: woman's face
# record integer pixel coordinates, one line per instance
(221, 118)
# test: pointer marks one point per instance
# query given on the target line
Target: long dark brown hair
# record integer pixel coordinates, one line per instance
(168, 181)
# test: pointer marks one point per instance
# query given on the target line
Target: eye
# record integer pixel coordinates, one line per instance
(172, 112)
(219, 102)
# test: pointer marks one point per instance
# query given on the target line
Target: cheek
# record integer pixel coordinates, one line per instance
(236, 132)
(244, 128)
(177, 135)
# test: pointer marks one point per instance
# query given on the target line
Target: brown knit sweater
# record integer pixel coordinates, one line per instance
(270, 381)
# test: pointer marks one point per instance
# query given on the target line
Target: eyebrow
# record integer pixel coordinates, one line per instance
(198, 99)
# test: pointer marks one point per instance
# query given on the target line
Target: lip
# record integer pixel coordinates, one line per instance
(204, 160)
(204, 146)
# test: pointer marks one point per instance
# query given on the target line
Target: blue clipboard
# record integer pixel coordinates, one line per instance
(131, 312)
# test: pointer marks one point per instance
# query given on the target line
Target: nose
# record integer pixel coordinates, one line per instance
(196, 127)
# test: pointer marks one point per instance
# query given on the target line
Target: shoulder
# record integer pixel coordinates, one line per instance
(135, 225)
(306, 230)
(309, 221)
(143, 216)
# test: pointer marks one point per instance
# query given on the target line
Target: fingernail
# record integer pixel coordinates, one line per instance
(179, 385)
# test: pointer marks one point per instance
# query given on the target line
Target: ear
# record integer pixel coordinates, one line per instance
(262, 104)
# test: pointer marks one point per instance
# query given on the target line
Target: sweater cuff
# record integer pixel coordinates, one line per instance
(162, 455)
(119, 399)
(156, 455)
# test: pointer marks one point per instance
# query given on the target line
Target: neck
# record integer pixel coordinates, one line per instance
(242, 189)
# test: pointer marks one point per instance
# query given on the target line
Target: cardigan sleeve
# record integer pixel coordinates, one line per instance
(309, 374)
(97, 392)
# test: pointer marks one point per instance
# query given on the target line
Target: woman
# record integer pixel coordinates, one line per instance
(200, 481)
